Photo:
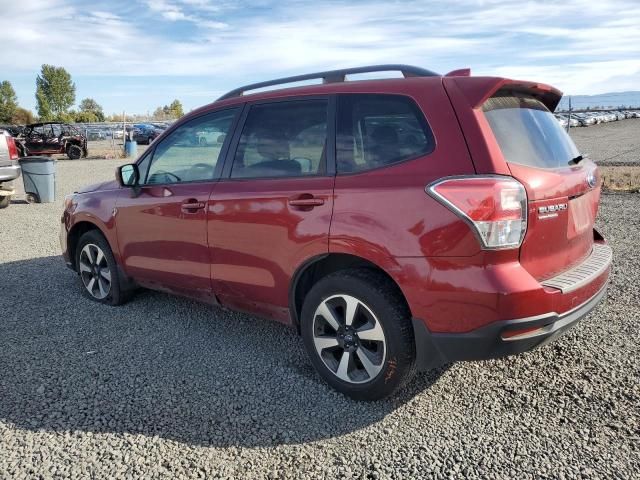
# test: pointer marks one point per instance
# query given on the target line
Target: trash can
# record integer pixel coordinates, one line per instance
(130, 148)
(39, 177)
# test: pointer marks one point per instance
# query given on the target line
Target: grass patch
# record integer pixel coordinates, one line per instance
(620, 179)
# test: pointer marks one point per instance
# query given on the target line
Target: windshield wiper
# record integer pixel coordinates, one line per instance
(576, 160)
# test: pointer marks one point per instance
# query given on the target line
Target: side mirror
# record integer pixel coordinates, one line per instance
(128, 175)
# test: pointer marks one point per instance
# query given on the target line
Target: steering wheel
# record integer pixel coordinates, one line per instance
(302, 161)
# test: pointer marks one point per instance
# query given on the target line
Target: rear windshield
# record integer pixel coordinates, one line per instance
(527, 132)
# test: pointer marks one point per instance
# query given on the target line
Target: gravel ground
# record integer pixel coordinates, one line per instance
(166, 387)
(613, 143)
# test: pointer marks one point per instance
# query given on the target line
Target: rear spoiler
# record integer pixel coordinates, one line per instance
(478, 90)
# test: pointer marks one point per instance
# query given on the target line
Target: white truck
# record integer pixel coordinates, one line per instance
(9, 168)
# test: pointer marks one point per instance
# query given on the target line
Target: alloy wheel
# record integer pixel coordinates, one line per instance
(349, 339)
(94, 271)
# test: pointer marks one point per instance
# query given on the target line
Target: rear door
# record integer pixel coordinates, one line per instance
(272, 209)
(563, 188)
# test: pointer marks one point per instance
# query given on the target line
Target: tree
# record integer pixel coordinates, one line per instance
(8, 102)
(171, 111)
(86, 117)
(22, 116)
(175, 109)
(55, 93)
(90, 106)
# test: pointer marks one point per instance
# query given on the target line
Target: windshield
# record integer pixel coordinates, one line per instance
(527, 132)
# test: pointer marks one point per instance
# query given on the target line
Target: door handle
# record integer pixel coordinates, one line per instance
(192, 206)
(306, 202)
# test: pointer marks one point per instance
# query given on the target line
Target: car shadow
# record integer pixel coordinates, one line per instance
(161, 366)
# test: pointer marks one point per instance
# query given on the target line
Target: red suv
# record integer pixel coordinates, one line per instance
(398, 224)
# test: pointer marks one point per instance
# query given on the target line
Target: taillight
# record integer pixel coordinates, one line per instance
(496, 207)
(13, 150)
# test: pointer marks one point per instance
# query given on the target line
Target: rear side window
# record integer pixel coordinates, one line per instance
(283, 139)
(527, 132)
(378, 130)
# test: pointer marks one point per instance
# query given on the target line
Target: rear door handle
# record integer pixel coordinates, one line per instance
(192, 205)
(306, 202)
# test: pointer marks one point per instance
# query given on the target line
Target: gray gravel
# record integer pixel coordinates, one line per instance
(166, 387)
(613, 143)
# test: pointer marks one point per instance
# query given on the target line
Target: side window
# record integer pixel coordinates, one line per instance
(189, 153)
(284, 139)
(379, 130)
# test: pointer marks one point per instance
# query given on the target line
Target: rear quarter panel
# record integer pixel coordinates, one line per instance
(386, 213)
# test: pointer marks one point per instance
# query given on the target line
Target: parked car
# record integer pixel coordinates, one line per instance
(145, 134)
(9, 168)
(475, 240)
(51, 138)
(563, 121)
(95, 134)
(584, 119)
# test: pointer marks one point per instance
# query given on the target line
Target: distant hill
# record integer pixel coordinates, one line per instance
(603, 100)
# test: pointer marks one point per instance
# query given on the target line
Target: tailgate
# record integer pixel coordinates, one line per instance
(562, 187)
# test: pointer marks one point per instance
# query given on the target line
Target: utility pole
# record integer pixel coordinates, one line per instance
(569, 119)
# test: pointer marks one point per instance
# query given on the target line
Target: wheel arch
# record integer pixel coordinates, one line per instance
(73, 237)
(318, 267)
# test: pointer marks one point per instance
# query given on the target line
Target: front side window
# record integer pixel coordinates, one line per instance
(379, 130)
(284, 139)
(183, 156)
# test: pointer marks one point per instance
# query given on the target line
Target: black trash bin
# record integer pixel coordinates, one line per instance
(39, 177)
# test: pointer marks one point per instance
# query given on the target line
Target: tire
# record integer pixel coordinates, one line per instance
(5, 201)
(381, 312)
(101, 268)
(74, 152)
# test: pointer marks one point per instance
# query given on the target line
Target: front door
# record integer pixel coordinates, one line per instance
(162, 229)
(273, 209)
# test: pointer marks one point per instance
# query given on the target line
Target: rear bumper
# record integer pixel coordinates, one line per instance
(10, 172)
(498, 339)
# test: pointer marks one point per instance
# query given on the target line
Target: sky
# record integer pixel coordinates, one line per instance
(136, 55)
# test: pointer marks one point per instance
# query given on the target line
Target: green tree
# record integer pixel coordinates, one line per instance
(87, 117)
(22, 116)
(8, 102)
(55, 93)
(89, 105)
(175, 109)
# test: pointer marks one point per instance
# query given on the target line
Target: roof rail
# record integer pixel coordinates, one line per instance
(333, 76)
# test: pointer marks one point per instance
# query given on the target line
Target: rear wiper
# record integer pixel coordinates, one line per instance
(576, 160)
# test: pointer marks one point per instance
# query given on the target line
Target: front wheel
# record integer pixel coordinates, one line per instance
(357, 332)
(5, 201)
(98, 270)
(74, 152)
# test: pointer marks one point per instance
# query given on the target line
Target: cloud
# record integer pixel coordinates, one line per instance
(579, 45)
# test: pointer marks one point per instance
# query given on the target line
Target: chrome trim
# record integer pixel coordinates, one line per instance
(580, 275)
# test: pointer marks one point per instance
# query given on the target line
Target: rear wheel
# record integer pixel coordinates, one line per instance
(74, 152)
(98, 270)
(5, 201)
(357, 331)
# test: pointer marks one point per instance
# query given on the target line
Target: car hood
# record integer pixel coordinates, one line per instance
(102, 186)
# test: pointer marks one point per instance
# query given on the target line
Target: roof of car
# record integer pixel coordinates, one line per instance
(39, 124)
